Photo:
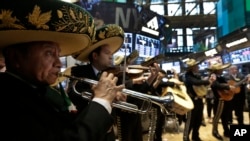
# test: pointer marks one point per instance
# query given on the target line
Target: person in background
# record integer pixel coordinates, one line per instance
(222, 96)
(32, 42)
(99, 56)
(194, 117)
(238, 101)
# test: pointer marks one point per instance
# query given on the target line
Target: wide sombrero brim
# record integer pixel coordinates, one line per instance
(69, 42)
(218, 66)
(191, 65)
(67, 24)
(114, 44)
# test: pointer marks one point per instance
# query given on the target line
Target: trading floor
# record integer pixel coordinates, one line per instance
(174, 133)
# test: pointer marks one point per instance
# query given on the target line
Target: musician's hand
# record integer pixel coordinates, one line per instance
(158, 79)
(106, 87)
(231, 87)
(139, 80)
(153, 73)
(121, 97)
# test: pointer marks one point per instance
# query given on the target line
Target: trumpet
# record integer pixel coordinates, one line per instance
(162, 101)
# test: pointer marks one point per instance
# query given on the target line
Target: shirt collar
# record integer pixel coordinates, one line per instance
(95, 70)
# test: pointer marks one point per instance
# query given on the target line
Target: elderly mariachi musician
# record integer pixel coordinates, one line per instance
(194, 117)
(34, 34)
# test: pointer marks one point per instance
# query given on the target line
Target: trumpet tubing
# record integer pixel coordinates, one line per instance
(162, 101)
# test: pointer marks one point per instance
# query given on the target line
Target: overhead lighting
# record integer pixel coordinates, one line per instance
(237, 42)
(70, 1)
(211, 52)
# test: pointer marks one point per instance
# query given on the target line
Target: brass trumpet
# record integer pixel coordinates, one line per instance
(163, 102)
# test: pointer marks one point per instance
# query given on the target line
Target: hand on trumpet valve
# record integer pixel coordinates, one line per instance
(106, 88)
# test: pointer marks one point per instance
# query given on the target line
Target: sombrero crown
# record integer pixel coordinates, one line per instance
(110, 34)
(45, 20)
(191, 62)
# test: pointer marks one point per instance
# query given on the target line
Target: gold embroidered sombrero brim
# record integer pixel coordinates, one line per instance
(111, 35)
(67, 24)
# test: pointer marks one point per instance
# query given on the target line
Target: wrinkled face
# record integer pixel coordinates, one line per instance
(41, 64)
(105, 58)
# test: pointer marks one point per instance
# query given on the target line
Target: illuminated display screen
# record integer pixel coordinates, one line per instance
(127, 46)
(172, 65)
(231, 16)
(240, 56)
(248, 12)
(147, 46)
(226, 58)
(208, 62)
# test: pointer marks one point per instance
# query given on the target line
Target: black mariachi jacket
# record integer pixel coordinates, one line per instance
(40, 114)
(192, 79)
(84, 71)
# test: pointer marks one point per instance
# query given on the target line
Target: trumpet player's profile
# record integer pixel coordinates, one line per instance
(98, 57)
(31, 108)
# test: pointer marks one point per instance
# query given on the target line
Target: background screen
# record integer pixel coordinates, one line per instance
(240, 56)
(171, 65)
(230, 16)
(146, 46)
(127, 45)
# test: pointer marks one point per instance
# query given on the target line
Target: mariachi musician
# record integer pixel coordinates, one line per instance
(159, 85)
(222, 95)
(130, 124)
(194, 117)
(238, 100)
(98, 57)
